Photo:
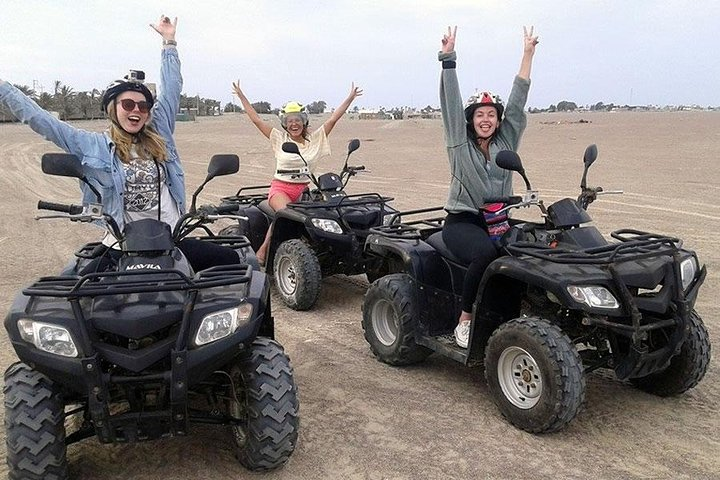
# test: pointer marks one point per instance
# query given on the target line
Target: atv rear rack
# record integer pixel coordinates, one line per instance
(137, 281)
(249, 199)
(229, 241)
(635, 245)
(410, 229)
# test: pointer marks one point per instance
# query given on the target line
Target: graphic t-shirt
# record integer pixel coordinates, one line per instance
(314, 148)
(142, 195)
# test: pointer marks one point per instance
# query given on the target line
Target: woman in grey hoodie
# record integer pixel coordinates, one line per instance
(474, 134)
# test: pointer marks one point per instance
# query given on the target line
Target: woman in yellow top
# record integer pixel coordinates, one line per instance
(313, 145)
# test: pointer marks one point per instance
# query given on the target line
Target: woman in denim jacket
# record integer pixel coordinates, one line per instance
(134, 164)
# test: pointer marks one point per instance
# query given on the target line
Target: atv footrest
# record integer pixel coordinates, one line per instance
(445, 345)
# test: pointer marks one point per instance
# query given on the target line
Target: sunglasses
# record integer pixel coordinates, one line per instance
(129, 105)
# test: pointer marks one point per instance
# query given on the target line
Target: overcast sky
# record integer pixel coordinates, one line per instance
(639, 51)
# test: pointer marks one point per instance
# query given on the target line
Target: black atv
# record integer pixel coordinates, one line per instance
(141, 350)
(322, 234)
(560, 301)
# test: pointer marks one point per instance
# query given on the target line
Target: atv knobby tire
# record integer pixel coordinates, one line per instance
(264, 386)
(686, 369)
(297, 274)
(34, 425)
(390, 319)
(534, 374)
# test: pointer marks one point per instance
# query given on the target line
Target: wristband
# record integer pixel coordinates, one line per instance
(169, 42)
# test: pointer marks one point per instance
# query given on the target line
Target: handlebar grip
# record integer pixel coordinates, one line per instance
(227, 208)
(358, 168)
(507, 200)
(59, 207)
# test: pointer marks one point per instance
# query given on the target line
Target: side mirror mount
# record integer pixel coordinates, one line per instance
(290, 147)
(510, 160)
(224, 164)
(66, 165)
(62, 165)
(353, 145)
(590, 155)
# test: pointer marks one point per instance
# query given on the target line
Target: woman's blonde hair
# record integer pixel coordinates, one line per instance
(147, 141)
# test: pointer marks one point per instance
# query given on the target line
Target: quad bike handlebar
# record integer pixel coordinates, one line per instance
(59, 207)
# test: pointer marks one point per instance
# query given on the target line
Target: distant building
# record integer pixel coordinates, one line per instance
(374, 115)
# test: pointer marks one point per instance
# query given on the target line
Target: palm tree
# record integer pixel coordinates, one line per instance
(45, 101)
(27, 91)
(96, 102)
(64, 100)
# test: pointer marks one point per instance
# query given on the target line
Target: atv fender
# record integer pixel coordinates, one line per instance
(414, 257)
(288, 224)
(256, 225)
(516, 273)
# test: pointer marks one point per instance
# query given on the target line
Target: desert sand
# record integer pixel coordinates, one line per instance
(362, 419)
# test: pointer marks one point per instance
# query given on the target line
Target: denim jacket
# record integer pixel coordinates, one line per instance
(102, 167)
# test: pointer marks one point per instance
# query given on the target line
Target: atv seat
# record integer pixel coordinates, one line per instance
(362, 218)
(265, 207)
(436, 241)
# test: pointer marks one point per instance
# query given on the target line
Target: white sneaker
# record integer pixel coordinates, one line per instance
(462, 334)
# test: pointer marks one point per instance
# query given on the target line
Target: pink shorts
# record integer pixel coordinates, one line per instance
(292, 190)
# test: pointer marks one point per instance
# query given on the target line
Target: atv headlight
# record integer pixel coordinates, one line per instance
(688, 268)
(327, 225)
(48, 337)
(221, 324)
(593, 296)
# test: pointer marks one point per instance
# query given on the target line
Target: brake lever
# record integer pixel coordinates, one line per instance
(73, 218)
(232, 217)
(530, 197)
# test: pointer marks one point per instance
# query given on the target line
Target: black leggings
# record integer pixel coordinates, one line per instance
(466, 235)
(200, 254)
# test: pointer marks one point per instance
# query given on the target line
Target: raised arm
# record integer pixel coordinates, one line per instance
(168, 100)
(450, 100)
(264, 127)
(72, 140)
(515, 118)
(528, 52)
(340, 111)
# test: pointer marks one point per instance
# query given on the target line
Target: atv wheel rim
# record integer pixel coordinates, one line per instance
(286, 278)
(384, 322)
(519, 377)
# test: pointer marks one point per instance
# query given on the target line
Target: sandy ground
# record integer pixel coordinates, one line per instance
(361, 419)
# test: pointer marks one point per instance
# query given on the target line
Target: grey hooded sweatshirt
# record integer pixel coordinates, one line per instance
(473, 179)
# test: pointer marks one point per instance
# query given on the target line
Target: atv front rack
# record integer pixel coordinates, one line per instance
(354, 200)
(138, 281)
(635, 245)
